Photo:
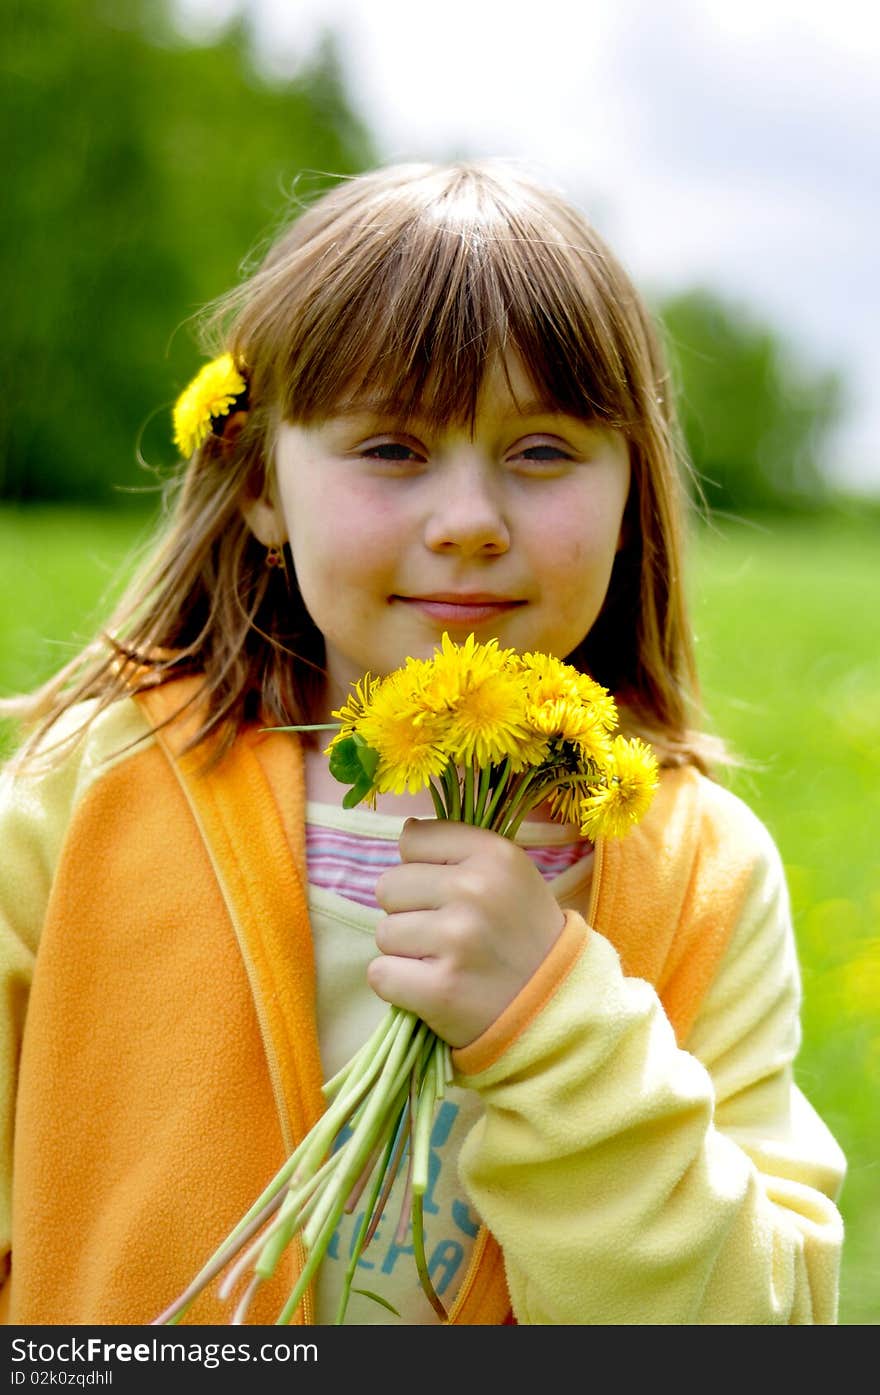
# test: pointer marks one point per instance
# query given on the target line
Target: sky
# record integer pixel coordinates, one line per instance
(728, 143)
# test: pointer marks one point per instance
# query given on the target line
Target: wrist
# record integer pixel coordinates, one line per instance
(554, 968)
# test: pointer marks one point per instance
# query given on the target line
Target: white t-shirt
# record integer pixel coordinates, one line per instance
(348, 1011)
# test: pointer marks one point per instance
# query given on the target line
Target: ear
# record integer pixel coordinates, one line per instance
(258, 507)
(264, 519)
(228, 429)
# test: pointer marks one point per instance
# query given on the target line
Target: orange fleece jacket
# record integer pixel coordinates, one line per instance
(169, 1059)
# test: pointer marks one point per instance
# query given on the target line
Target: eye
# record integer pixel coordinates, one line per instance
(393, 452)
(539, 457)
(544, 453)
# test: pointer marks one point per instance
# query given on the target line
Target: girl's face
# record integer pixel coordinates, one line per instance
(399, 532)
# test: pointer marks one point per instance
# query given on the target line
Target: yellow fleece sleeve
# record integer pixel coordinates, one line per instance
(631, 1181)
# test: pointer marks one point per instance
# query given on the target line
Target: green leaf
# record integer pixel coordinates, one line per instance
(353, 762)
(377, 1298)
(344, 763)
(367, 757)
(359, 790)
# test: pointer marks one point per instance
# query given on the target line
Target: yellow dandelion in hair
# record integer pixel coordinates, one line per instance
(210, 394)
(610, 810)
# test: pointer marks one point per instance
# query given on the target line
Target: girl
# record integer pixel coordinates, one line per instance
(440, 406)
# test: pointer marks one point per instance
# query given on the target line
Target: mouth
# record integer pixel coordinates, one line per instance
(454, 608)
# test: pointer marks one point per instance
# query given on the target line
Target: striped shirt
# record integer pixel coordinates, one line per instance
(349, 864)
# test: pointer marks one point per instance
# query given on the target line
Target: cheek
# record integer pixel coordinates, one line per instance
(339, 534)
(583, 547)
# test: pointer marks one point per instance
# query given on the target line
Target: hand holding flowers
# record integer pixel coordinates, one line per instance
(491, 734)
(469, 919)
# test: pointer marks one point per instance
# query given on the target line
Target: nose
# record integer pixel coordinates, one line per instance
(467, 514)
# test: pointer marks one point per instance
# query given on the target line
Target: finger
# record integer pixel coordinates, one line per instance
(410, 934)
(411, 886)
(410, 984)
(442, 840)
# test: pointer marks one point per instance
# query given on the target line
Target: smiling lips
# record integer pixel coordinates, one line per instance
(451, 608)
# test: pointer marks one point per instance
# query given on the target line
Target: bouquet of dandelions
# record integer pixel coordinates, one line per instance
(491, 734)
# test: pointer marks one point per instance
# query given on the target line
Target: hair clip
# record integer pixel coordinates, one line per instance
(213, 392)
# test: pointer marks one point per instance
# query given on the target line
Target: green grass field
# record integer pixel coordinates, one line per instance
(787, 617)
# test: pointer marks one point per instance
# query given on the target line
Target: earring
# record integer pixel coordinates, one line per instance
(275, 557)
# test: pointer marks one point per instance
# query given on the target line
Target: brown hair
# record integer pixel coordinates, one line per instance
(407, 283)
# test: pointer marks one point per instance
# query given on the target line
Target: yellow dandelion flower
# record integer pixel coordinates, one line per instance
(610, 810)
(355, 706)
(404, 735)
(488, 724)
(594, 744)
(566, 704)
(478, 693)
(408, 767)
(210, 394)
(598, 699)
(456, 668)
(547, 678)
(413, 686)
(566, 799)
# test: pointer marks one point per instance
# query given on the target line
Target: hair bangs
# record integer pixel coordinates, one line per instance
(408, 310)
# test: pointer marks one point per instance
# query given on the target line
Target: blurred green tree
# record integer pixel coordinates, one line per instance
(139, 169)
(755, 417)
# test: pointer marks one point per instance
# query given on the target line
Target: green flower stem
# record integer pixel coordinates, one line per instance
(372, 1121)
(327, 1217)
(327, 1202)
(501, 789)
(419, 1031)
(362, 1055)
(266, 1261)
(406, 1202)
(295, 1203)
(268, 1200)
(402, 1137)
(520, 791)
(360, 1239)
(467, 810)
(485, 785)
(368, 1061)
(421, 1262)
(321, 1135)
(421, 1148)
(453, 792)
(438, 1063)
(314, 1259)
(357, 1190)
(221, 1257)
(381, 1189)
(311, 1162)
(539, 792)
(437, 797)
(310, 726)
(447, 1057)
